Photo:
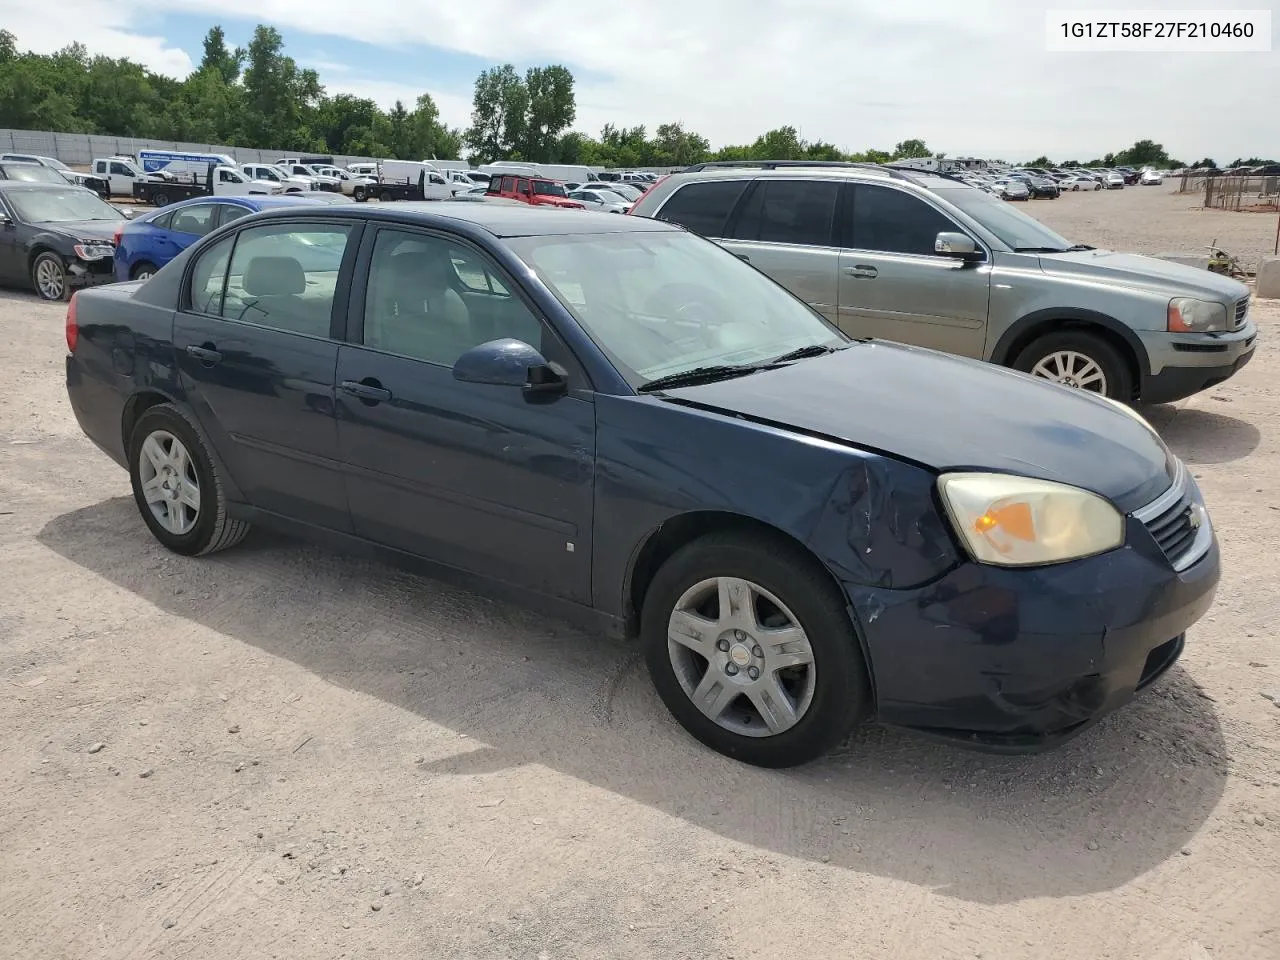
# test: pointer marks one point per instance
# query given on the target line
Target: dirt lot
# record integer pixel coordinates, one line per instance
(281, 752)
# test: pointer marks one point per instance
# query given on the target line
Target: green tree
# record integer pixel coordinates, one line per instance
(910, 149)
(280, 99)
(218, 59)
(673, 146)
(551, 109)
(499, 113)
(784, 143)
(1205, 164)
(1040, 161)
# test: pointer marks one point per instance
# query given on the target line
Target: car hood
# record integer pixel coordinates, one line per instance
(1147, 272)
(949, 413)
(84, 229)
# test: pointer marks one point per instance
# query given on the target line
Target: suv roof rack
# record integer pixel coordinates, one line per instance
(770, 164)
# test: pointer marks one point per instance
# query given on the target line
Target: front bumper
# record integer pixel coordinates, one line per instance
(89, 273)
(1185, 364)
(1020, 660)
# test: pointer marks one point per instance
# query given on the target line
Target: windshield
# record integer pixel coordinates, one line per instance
(663, 303)
(32, 173)
(548, 189)
(281, 173)
(56, 164)
(1007, 222)
(60, 206)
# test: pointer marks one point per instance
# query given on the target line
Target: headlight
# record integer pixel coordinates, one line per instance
(1016, 521)
(94, 251)
(1196, 316)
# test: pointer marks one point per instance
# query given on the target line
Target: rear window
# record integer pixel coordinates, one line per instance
(790, 211)
(703, 207)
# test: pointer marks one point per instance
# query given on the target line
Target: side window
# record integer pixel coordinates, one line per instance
(893, 221)
(790, 211)
(164, 221)
(100, 167)
(703, 207)
(120, 168)
(508, 184)
(231, 211)
(283, 275)
(197, 219)
(522, 186)
(432, 300)
(209, 277)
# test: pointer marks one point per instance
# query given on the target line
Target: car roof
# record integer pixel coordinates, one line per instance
(500, 220)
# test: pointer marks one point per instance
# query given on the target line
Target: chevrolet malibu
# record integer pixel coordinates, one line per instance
(621, 422)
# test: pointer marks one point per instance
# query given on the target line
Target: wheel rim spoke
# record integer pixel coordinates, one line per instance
(175, 515)
(714, 694)
(736, 606)
(189, 494)
(692, 631)
(786, 647)
(773, 704)
(152, 491)
(155, 453)
(168, 483)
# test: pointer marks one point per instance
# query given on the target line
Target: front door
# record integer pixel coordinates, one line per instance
(470, 475)
(784, 229)
(256, 350)
(13, 258)
(894, 286)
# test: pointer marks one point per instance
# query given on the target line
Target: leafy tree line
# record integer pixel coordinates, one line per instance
(257, 96)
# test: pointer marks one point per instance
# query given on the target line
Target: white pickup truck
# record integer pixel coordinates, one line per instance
(276, 174)
(120, 173)
(218, 181)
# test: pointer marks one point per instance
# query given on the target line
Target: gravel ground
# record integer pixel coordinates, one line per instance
(282, 752)
(1157, 220)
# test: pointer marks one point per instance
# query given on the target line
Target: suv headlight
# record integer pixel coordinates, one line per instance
(1016, 521)
(1196, 316)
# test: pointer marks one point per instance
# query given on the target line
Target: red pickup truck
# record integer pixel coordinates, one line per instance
(533, 190)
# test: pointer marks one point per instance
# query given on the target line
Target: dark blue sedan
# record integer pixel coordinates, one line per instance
(623, 423)
(146, 244)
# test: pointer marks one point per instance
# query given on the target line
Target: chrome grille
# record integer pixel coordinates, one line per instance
(1177, 522)
(1242, 313)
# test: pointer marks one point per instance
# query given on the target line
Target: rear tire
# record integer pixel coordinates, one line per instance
(160, 198)
(1076, 358)
(772, 706)
(177, 486)
(359, 194)
(385, 197)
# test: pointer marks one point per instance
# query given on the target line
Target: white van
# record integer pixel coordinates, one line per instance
(186, 166)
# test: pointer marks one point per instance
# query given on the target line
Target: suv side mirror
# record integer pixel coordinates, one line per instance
(958, 245)
(512, 363)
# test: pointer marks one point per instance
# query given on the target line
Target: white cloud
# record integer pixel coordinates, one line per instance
(101, 26)
(970, 78)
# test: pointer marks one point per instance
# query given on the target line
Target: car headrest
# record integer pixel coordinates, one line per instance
(274, 277)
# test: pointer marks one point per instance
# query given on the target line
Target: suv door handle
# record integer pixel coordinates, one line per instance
(206, 354)
(862, 270)
(369, 390)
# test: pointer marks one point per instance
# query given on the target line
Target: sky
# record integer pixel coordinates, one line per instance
(970, 78)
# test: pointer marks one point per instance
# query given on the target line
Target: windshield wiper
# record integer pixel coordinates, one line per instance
(804, 353)
(1079, 246)
(691, 378)
(1039, 250)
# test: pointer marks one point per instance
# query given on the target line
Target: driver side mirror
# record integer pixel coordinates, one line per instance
(958, 245)
(512, 363)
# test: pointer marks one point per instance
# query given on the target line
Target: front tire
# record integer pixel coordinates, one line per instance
(49, 276)
(143, 271)
(177, 487)
(1076, 358)
(751, 649)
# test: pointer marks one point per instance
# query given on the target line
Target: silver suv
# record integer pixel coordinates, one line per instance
(925, 259)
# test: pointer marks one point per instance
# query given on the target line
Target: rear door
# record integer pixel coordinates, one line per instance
(894, 286)
(784, 228)
(187, 225)
(256, 344)
(475, 476)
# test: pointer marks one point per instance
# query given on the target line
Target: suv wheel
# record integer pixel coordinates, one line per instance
(752, 650)
(1077, 359)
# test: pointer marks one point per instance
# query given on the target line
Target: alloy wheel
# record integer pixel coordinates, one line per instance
(169, 482)
(1072, 369)
(741, 657)
(51, 278)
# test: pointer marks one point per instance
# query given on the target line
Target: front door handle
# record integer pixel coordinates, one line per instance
(205, 354)
(369, 390)
(862, 270)
(743, 256)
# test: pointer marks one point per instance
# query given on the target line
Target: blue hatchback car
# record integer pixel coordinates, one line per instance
(624, 423)
(146, 244)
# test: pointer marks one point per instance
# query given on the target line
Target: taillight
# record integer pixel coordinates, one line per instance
(73, 329)
(116, 239)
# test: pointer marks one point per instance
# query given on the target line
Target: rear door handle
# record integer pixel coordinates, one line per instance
(205, 354)
(369, 390)
(862, 270)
